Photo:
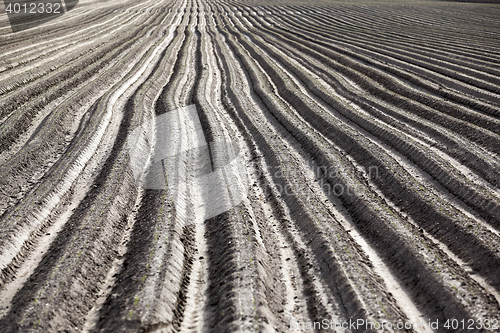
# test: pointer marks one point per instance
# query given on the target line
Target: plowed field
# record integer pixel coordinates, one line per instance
(251, 166)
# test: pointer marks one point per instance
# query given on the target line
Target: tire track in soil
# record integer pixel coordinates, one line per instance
(183, 240)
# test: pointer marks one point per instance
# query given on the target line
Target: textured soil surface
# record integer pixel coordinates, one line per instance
(251, 166)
